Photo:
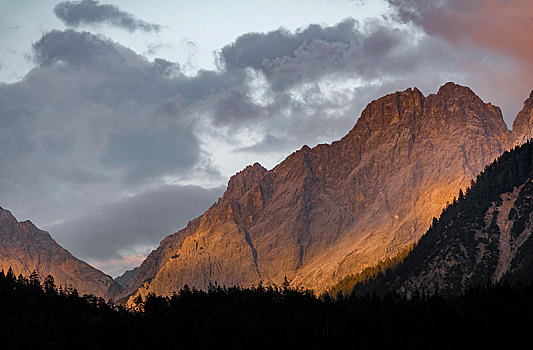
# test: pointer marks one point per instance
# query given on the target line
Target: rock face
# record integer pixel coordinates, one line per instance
(125, 278)
(486, 236)
(25, 248)
(523, 123)
(331, 210)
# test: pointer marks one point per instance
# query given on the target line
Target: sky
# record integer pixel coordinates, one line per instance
(120, 121)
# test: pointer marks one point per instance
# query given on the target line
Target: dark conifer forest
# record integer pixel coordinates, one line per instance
(39, 315)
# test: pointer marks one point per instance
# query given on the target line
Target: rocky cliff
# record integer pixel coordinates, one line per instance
(484, 237)
(523, 123)
(25, 248)
(331, 210)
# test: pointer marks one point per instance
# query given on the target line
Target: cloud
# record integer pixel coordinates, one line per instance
(77, 48)
(310, 84)
(498, 28)
(287, 58)
(100, 106)
(90, 12)
(116, 266)
(123, 228)
(94, 121)
(376, 49)
(487, 23)
(96, 128)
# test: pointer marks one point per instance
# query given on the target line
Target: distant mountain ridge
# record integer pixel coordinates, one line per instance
(25, 248)
(332, 210)
(124, 279)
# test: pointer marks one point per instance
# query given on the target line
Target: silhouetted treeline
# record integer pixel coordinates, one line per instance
(35, 315)
(38, 315)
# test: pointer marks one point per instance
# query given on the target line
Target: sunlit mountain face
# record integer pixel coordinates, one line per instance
(299, 150)
(122, 107)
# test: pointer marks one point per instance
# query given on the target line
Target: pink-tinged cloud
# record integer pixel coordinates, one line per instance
(499, 29)
(506, 26)
(115, 267)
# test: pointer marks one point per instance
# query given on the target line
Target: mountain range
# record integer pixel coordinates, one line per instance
(334, 209)
(321, 214)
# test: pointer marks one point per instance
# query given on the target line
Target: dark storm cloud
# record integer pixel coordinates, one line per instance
(122, 98)
(87, 12)
(94, 120)
(139, 221)
(254, 49)
(77, 48)
(161, 151)
(236, 106)
(289, 58)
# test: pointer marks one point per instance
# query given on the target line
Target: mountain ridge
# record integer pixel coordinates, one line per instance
(24, 248)
(327, 211)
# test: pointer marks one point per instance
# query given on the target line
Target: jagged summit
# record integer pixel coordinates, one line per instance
(331, 210)
(6, 217)
(388, 109)
(452, 89)
(241, 182)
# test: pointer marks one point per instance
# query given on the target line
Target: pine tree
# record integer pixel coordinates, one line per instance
(34, 279)
(49, 284)
(10, 275)
(285, 285)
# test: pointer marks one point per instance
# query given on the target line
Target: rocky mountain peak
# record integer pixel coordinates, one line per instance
(406, 115)
(389, 110)
(334, 209)
(523, 123)
(451, 89)
(457, 107)
(25, 248)
(241, 182)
